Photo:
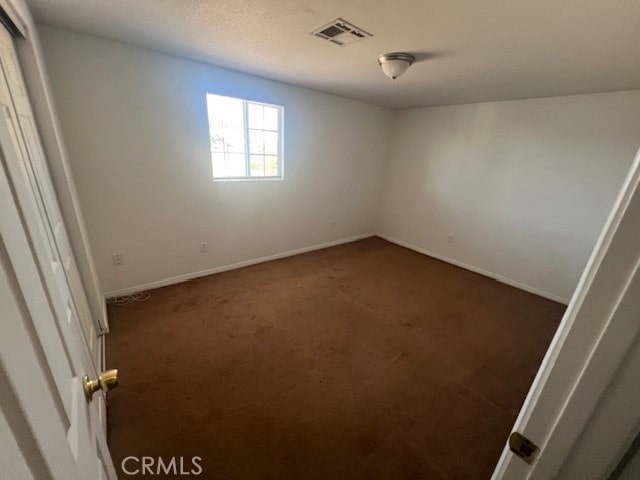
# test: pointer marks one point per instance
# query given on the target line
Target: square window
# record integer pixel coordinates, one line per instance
(245, 138)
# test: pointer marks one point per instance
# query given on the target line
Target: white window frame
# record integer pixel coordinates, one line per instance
(247, 153)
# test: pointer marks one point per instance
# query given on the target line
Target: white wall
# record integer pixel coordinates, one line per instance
(524, 186)
(135, 124)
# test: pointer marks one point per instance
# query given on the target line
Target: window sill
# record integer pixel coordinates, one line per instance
(247, 179)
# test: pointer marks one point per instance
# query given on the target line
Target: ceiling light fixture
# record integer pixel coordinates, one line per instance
(395, 64)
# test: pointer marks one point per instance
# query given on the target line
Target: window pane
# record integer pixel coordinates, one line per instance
(256, 166)
(234, 140)
(271, 143)
(224, 111)
(219, 165)
(235, 165)
(215, 112)
(255, 115)
(271, 166)
(256, 141)
(270, 118)
(215, 120)
(228, 165)
(217, 141)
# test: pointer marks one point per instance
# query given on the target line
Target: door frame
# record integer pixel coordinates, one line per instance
(577, 395)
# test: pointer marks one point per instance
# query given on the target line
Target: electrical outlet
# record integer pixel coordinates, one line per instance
(203, 247)
(451, 238)
(117, 258)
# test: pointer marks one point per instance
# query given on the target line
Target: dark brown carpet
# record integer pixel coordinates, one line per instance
(365, 360)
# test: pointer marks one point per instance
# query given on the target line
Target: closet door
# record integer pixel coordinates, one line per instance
(48, 340)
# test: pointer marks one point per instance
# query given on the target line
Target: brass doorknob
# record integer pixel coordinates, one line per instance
(108, 380)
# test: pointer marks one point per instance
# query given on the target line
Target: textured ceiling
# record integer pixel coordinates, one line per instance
(468, 50)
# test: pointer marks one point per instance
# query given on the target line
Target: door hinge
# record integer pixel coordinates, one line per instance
(522, 447)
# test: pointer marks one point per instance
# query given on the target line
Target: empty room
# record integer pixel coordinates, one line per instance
(320, 240)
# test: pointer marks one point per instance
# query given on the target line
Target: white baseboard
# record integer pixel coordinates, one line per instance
(478, 270)
(224, 268)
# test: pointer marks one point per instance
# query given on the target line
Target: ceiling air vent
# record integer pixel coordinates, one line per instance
(341, 33)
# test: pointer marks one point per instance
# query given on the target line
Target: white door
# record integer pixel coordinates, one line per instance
(48, 341)
(582, 411)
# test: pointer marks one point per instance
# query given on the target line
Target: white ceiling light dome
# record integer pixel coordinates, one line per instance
(395, 64)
